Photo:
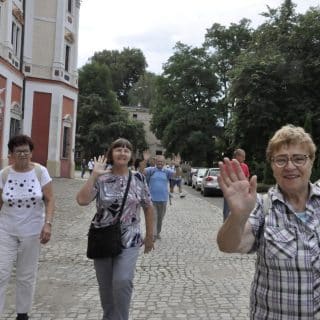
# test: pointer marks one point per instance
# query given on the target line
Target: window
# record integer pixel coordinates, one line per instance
(66, 142)
(69, 6)
(14, 127)
(15, 38)
(67, 58)
(13, 32)
(135, 116)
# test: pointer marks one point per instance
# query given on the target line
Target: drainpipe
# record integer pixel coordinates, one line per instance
(21, 58)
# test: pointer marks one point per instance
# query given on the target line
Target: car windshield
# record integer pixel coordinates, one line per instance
(214, 172)
(201, 171)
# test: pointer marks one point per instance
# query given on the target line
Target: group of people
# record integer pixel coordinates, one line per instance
(282, 226)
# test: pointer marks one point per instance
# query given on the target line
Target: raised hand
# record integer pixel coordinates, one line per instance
(100, 166)
(240, 193)
(146, 155)
(176, 159)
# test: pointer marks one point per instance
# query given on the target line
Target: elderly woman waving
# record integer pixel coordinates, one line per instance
(119, 195)
(282, 227)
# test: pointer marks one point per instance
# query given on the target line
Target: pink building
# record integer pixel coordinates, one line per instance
(39, 80)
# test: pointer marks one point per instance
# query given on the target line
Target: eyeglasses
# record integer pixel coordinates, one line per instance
(21, 152)
(298, 160)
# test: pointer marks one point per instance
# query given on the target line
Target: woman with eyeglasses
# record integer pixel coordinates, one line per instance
(281, 227)
(26, 213)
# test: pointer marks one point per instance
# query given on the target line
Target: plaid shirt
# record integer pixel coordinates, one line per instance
(286, 284)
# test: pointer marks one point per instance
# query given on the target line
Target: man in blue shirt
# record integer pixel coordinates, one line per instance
(158, 180)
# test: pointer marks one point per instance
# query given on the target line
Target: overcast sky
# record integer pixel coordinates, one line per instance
(155, 26)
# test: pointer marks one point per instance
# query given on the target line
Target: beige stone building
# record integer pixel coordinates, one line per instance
(39, 79)
(142, 114)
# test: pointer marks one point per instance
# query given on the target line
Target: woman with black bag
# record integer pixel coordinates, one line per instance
(119, 196)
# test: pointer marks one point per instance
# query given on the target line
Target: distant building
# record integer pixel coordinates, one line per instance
(142, 114)
(39, 80)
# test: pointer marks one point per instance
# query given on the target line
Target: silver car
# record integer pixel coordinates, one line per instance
(209, 184)
(197, 178)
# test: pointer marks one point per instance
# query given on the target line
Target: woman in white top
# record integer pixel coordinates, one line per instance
(26, 213)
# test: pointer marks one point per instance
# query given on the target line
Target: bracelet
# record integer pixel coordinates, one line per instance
(49, 222)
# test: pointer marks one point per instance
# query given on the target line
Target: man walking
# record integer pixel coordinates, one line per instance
(240, 155)
(177, 179)
(158, 178)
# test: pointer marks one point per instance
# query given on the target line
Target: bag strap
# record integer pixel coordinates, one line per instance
(37, 169)
(5, 173)
(125, 195)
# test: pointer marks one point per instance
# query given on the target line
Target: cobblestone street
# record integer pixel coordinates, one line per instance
(185, 277)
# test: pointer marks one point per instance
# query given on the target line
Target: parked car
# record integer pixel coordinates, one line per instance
(197, 178)
(188, 177)
(209, 183)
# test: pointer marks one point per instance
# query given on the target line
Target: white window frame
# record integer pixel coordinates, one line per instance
(16, 38)
(69, 6)
(16, 115)
(66, 139)
(67, 57)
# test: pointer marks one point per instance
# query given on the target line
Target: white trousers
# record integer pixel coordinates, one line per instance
(25, 252)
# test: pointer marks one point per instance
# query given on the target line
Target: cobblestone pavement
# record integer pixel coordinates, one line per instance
(185, 277)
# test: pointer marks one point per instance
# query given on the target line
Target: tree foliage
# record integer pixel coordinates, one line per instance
(100, 119)
(101, 122)
(143, 91)
(126, 67)
(275, 81)
(184, 108)
(225, 45)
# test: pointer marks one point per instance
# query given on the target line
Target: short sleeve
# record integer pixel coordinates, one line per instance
(45, 177)
(170, 173)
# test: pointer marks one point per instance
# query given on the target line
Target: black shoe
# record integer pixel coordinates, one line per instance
(22, 316)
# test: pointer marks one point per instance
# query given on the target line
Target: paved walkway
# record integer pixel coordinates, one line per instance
(186, 277)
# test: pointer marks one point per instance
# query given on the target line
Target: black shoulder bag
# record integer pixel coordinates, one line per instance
(106, 241)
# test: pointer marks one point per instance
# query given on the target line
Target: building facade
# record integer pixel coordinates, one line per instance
(142, 114)
(39, 79)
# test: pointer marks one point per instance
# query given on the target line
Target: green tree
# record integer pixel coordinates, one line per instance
(125, 66)
(101, 122)
(95, 78)
(143, 91)
(275, 80)
(225, 44)
(184, 109)
(100, 119)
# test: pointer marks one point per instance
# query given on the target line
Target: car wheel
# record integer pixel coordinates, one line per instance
(205, 192)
